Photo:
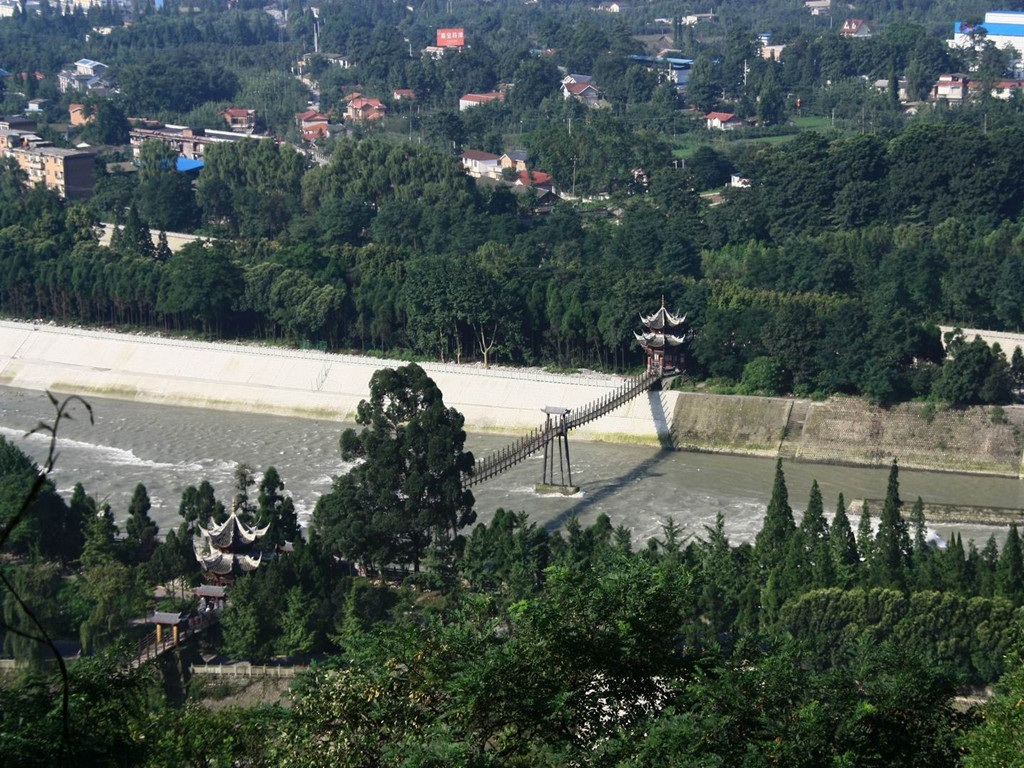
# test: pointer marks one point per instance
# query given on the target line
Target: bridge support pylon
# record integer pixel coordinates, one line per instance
(556, 434)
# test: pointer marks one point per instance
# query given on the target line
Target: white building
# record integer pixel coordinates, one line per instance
(1005, 29)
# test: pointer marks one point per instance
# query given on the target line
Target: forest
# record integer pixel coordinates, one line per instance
(823, 641)
(835, 266)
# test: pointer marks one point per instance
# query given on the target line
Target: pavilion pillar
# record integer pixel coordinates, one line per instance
(174, 630)
(159, 633)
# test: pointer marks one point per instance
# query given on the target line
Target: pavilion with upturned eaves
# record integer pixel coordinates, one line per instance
(663, 339)
(229, 550)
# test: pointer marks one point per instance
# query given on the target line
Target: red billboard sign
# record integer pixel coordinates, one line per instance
(451, 38)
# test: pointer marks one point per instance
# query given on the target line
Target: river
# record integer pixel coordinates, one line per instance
(169, 448)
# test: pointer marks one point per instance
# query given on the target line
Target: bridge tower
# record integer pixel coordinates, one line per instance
(556, 440)
(663, 339)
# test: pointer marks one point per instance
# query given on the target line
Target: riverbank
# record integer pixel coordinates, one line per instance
(270, 380)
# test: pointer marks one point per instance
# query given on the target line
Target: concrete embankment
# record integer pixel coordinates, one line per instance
(303, 383)
(317, 385)
(851, 431)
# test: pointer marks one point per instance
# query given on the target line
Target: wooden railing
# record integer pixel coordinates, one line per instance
(149, 648)
(504, 459)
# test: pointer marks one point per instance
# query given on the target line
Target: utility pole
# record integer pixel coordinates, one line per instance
(574, 158)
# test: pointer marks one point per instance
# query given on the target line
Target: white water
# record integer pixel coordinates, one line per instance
(169, 448)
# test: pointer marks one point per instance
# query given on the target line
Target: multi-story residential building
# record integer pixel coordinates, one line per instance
(188, 142)
(66, 171)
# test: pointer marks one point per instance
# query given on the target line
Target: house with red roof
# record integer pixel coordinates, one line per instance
(312, 124)
(585, 93)
(363, 110)
(404, 94)
(239, 118)
(476, 99)
(537, 180)
(855, 28)
(722, 121)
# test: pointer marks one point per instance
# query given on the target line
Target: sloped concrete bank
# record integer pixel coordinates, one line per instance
(310, 384)
(979, 440)
(302, 383)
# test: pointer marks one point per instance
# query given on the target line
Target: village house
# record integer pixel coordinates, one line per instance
(476, 99)
(515, 160)
(612, 7)
(312, 125)
(536, 180)
(882, 86)
(772, 52)
(77, 115)
(363, 110)
(37, 105)
(855, 28)
(240, 119)
(479, 163)
(585, 93)
(722, 121)
(404, 94)
(818, 7)
(951, 88)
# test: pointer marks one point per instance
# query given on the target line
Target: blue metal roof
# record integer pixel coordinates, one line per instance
(185, 165)
(1006, 30)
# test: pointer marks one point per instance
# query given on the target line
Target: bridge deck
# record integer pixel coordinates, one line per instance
(519, 450)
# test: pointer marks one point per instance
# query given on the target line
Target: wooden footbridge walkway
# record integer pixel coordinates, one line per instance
(160, 641)
(553, 430)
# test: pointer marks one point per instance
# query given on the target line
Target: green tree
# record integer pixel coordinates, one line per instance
(1010, 571)
(702, 90)
(140, 528)
(408, 492)
(770, 100)
(891, 553)
(773, 538)
(844, 545)
(276, 510)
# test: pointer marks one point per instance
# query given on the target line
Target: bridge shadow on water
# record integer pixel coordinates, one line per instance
(648, 468)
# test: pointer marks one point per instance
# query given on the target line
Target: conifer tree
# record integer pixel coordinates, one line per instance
(140, 528)
(865, 535)
(954, 570)
(772, 539)
(843, 544)
(1010, 572)
(920, 529)
(987, 568)
(163, 248)
(892, 544)
(815, 534)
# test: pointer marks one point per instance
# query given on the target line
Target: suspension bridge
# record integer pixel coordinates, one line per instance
(552, 436)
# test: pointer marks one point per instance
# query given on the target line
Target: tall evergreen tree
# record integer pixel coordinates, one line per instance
(772, 540)
(276, 510)
(1010, 572)
(892, 543)
(140, 528)
(814, 529)
(987, 568)
(844, 545)
(865, 535)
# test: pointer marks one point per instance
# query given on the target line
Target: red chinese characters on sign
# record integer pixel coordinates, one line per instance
(451, 38)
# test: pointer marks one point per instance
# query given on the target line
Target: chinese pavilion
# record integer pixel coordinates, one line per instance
(663, 339)
(229, 550)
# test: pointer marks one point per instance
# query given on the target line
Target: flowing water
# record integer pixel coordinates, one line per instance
(169, 448)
